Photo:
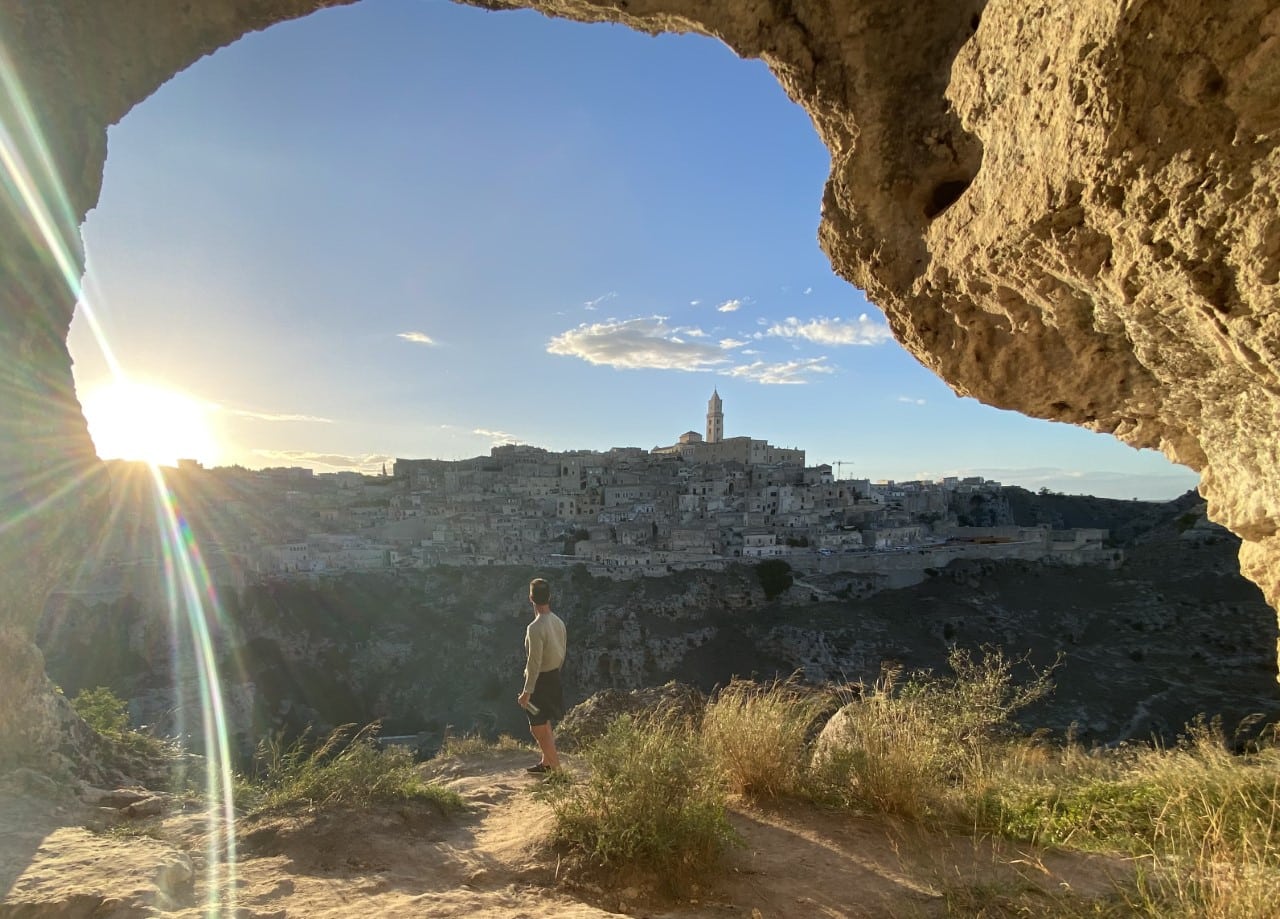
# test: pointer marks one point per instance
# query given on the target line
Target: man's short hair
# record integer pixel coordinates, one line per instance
(539, 591)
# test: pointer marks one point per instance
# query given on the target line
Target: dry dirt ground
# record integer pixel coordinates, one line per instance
(491, 860)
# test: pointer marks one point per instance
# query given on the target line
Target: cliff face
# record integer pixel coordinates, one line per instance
(1172, 632)
(1064, 209)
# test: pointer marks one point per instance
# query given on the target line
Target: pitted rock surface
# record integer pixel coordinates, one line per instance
(587, 721)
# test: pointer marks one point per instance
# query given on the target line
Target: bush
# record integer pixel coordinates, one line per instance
(653, 802)
(348, 769)
(759, 735)
(102, 710)
(775, 577)
(108, 714)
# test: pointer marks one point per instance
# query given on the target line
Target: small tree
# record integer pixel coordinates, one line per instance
(102, 710)
(775, 577)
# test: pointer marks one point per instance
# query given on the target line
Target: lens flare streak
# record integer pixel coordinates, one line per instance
(58, 232)
(191, 590)
(53, 231)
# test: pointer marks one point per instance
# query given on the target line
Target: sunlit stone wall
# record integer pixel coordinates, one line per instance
(1067, 209)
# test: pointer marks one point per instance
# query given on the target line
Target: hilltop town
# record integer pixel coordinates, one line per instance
(703, 502)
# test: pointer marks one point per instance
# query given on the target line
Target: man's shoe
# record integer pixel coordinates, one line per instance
(538, 769)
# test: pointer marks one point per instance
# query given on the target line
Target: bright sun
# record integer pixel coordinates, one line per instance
(140, 421)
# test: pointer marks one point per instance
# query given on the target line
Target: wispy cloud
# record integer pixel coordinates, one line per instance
(730, 306)
(497, 437)
(636, 344)
(779, 374)
(694, 302)
(909, 401)
(270, 416)
(730, 343)
(863, 331)
(420, 338)
(603, 298)
(807, 291)
(368, 462)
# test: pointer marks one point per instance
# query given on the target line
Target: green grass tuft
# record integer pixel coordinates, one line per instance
(653, 802)
(347, 769)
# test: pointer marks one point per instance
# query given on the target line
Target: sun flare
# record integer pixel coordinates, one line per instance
(154, 424)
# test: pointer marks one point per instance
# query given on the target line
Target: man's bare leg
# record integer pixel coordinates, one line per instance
(546, 739)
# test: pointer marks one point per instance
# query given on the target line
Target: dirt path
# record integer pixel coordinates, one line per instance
(489, 862)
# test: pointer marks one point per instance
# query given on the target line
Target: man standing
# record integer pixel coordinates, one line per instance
(542, 699)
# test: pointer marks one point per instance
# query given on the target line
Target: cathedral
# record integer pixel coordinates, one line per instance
(716, 448)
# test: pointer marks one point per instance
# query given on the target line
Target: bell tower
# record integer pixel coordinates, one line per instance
(715, 418)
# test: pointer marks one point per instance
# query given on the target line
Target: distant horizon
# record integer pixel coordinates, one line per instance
(376, 472)
(405, 228)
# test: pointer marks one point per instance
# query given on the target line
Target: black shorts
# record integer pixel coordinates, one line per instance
(548, 696)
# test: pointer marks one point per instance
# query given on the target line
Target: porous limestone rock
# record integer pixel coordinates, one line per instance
(671, 702)
(1065, 209)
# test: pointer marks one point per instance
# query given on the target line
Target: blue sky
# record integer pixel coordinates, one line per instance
(408, 228)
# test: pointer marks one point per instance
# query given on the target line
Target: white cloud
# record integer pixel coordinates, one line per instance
(636, 344)
(825, 331)
(592, 304)
(692, 333)
(786, 373)
(807, 291)
(730, 306)
(694, 302)
(730, 343)
(420, 338)
(910, 401)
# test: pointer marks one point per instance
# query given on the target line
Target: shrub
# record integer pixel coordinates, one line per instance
(102, 710)
(653, 802)
(775, 577)
(347, 769)
(759, 735)
(108, 714)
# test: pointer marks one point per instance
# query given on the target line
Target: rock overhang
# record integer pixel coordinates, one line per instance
(1065, 210)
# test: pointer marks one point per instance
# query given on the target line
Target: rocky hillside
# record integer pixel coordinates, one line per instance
(1171, 632)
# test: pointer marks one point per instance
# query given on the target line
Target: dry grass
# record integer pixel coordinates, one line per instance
(653, 802)
(759, 735)
(460, 745)
(347, 769)
(904, 744)
(1200, 823)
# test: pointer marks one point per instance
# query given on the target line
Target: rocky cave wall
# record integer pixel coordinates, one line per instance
(1064, 209)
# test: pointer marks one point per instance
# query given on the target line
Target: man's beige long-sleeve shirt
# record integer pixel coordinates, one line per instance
(545, 641)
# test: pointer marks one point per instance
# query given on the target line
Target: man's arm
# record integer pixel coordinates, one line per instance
(533, 665)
